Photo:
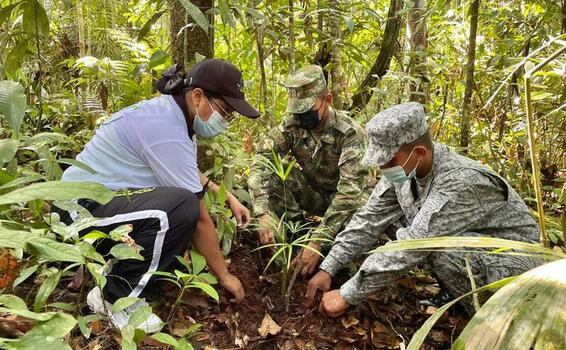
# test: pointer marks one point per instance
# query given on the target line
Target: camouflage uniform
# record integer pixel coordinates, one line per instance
(459, 197)
(330, 181)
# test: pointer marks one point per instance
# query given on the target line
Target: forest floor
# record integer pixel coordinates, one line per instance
(387, 320)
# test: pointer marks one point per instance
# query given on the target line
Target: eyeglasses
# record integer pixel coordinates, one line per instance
(228, 116)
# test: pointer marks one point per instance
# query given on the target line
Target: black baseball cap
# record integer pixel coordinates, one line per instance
(224, 79)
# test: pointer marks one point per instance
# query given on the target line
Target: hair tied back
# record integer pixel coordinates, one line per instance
(172, 80)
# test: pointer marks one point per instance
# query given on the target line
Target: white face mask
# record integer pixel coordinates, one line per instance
(397, 173)
(214, 126)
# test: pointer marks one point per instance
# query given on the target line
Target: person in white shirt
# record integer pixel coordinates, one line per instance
(147, 153)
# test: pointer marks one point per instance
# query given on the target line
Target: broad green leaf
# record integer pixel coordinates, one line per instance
(128, 333)
(72, 206)
(13, 238)
(35, 19)
(49, 249)
(196, 14)
(62, 306)
(81, 224)
(207, 278)
(184, 345)
(165, 339)
(44, 316)
(24, 274)
(49, 331)
(150, 22)
(140, 315)
(528, 313)
(226, 14)
(443, 243)
(46, 288)
(89, 252)
(8, 148)
(12, 104)
(122, 251)
(183, 262)
(83, 322)
(96, 272)
(159, 57)
(95, 234)
(22, 181)
(123, 303)
(6, 11)
(57, 190)
(13, 302)
(198, 261)
(207, 289)
(77, 164)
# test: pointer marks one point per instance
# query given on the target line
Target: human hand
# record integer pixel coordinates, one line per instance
(241, 213)
(232, 284)
(320, 281)
(265, 232)
(333, 304)
(307, 259)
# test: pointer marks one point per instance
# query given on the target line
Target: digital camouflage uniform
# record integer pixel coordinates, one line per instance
(329, 181)
(460, 197)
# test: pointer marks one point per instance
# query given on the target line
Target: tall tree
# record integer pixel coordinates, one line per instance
(387, 49)
(466, 105)
(417, 32)
(81, 28)
(563, 16)
(339, 81)
(291, 37)
(187, 37)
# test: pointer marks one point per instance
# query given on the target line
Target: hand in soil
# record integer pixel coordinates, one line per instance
(308, 259)
(320, 281)
(266, 235)
(333, 304)
(241, 213)
(232, 284)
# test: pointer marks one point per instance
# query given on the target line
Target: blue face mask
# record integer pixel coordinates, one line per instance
(215, 125)
(397, 173)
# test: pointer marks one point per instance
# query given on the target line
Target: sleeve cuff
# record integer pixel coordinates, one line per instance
(350, 291)
(331, 265)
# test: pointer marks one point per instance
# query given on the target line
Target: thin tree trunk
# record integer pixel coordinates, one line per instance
(191, 40)
(261, 59)
(563, 15)
(291, 37)
(81, 26)
(417, 29)
(336, 72)
(466, 106)
(387, 49)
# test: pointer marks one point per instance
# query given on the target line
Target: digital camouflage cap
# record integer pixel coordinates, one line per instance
(303, 86)
(392, 128)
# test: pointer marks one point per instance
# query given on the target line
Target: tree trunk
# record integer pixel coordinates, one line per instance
(417, 30)
(466, 106)
(386, 51)
(291, 37)
(191, 40)
(563, 16)
(81, 27)
(339, 82)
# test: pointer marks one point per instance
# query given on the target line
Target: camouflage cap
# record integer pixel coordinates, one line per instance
(303, 86)
(392, 128)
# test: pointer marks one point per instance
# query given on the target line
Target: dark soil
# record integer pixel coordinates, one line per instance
(386, 321)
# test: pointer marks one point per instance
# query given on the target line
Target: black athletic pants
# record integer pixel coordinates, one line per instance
(163, 219)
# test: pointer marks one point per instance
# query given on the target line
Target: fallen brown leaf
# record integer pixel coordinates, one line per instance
(268, 326)
(349, 321)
